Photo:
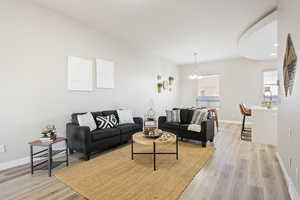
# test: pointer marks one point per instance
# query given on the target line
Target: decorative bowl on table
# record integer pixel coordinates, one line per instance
(165, 136)
(155, 133)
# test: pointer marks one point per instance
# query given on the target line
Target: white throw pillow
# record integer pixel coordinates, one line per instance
(173, 115)
(199, 116)
(125, 116)
(87, 120)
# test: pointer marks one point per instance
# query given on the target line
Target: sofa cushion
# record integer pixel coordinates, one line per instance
(126, 128)
(186, 116)
(104, 133)
(138, 127)
(170, 125)
(183, 127)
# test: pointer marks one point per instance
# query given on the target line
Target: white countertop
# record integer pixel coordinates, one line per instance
(255, 107)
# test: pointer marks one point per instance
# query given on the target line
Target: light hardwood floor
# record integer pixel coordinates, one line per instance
(238, 170)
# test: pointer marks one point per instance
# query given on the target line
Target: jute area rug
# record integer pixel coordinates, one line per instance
(114, 175)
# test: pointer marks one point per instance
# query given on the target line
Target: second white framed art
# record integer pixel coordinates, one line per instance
(105, 74)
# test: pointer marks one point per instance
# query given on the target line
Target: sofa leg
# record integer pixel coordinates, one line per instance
(71, 151)
(87, 156)
(181, 138)
(204, 144)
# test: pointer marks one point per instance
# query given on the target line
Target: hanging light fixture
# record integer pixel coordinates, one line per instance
(194, 75)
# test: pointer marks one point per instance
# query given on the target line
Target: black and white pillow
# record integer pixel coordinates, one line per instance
(109, 121)
(199, 116)
(173, 115)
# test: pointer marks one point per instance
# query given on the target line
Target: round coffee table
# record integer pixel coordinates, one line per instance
(141, 139)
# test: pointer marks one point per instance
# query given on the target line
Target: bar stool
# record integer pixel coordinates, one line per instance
(214, 113)
(245, 132)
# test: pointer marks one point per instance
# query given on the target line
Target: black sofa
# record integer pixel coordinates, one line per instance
(180, 129)
(81, 139)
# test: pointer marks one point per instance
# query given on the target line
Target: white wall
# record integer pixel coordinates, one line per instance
(34, 45)
(241, 80)
(210, 86)
(289, 111)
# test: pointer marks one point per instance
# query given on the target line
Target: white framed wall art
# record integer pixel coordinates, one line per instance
(105, 74)
(80, 74)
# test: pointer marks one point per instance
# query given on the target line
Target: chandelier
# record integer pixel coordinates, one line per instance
(194, 75)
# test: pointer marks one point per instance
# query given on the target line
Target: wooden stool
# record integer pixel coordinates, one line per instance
(245, 132)
(213, 111)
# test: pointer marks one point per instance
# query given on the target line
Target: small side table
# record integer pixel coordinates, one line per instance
(141, 139)
(48, 153)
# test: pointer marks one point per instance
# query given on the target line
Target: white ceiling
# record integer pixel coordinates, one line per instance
(260, 41)
(173, 29)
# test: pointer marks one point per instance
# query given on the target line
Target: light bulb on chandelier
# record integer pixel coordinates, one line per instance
(194, 76)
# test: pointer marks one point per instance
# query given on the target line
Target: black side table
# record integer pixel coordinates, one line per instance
(48, 153)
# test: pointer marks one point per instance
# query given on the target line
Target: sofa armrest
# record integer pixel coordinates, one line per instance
(161, 120)
(138, 120)
(208, 129)
(79, 137)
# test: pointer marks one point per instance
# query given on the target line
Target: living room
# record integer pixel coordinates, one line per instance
(114, 88)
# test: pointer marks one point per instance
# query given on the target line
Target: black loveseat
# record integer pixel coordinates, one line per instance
(181, 129)
(81, 139)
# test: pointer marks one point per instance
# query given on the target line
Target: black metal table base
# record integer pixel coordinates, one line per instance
(154, 153)
(48, 155)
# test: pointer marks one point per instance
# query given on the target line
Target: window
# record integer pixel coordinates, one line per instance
(271, 86)
(208, 92)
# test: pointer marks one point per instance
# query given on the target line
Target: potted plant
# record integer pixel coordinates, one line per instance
(159, 87)
(49, 132)
(171, 80)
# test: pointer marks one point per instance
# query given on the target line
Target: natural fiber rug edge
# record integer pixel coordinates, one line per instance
(208, 155)
(192, 178)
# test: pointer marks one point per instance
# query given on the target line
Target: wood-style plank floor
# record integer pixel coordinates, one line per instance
(238, 170)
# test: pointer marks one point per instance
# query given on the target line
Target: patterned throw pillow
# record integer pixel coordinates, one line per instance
(199, 116)
(109, 121)
(173, 115)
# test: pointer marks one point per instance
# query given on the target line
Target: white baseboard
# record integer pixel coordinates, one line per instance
(20, 161)
(14, 163)
(291, 187)
(234, 122)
